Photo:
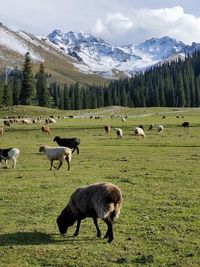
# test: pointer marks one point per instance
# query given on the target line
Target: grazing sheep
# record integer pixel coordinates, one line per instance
(160, 129)
(123, 119)
(46, 129)
(9, 154)
(107, 129)
(100, 200)
(1, 131)
(57, 153)
(50, 120)
(151, 127)
(139, 132)
(119, 132)
(185, 124)
(6, 122)
(68, 142)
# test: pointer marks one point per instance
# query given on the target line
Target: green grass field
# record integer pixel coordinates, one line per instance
(159, 176)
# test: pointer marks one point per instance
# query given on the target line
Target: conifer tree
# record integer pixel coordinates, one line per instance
(41, 88)
(28, 84)
(16, 90)
(7, 96)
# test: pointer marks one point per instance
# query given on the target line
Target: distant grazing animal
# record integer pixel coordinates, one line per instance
(139, 132)
(1, 131)
(107, 129)
(68, 142)
(6, 122)
(123, 119)
(57, 153)
(50, 120)
(46, 129)
(9, 154)
(100, 200)
(151, 127)
(160, 129)
(185, 124)
(119, 132)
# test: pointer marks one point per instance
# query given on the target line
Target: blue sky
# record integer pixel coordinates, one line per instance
(116, 21)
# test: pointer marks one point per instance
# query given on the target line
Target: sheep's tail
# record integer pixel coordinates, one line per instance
(113, 206)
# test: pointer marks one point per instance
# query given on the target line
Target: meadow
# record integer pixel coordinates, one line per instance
(159, 176)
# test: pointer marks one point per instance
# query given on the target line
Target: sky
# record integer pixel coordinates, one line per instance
(116, 21)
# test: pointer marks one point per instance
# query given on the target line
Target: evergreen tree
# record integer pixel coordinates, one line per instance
(41, 88)
(7, 96)
(28, 85)
(16, 90)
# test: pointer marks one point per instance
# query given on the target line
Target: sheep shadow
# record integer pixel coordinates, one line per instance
(26, 238)
(38, 238)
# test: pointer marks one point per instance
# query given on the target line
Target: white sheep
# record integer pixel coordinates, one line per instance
(57, 153)
(119, 132)
(100, 200)
(139, 132)
(160, 129)
(9, 154)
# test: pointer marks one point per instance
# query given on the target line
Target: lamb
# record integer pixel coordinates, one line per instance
(68, 142)
(57, 153)
(160, 129)
(151, 127)
(119, 132)
(1, 131)
(46, 129)
(9, 154)
(100, 200)
(107, 129)
(139, 132)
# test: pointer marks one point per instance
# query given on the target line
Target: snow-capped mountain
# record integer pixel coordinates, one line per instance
(94, 55)
(75, 56)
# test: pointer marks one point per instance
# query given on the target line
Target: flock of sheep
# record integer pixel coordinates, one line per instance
(100, 200)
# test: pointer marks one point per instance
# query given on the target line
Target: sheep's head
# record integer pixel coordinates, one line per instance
(56, 138)
(64, 220)
(42, 148)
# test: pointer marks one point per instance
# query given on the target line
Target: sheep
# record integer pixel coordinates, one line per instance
(139, 132)
(57, 153)
(68, 142)
(107, 129)
(119, 132)
(1, 131)
(50, 120)
(46, 129)
(151, 127)
(6, 122)
(160, 129)
(9, 154)
(185, 124)
(100, 200)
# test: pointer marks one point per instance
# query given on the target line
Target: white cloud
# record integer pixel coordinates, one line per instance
(141, 24)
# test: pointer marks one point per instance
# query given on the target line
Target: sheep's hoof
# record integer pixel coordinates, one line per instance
(110, 239)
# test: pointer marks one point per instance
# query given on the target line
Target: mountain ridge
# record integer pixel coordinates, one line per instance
(79, 56)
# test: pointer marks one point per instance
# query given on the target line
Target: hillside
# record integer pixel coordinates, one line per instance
(14, 45)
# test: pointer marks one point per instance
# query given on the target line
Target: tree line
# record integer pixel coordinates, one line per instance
(173, 84)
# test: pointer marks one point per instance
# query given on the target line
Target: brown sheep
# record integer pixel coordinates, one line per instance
(100, 200)
(46, 129)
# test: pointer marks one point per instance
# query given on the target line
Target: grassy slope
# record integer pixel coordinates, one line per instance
(159, 177)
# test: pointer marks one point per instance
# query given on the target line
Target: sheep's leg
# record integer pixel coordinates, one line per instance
(97, 227)
(109, 233)
(51, 167)
(14, 163)
(60, 165)
(67, 159)
(6, 162)
(77, 228)
(77, 150)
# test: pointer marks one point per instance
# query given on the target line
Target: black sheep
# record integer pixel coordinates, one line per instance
(68, 142)
(185, 124)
